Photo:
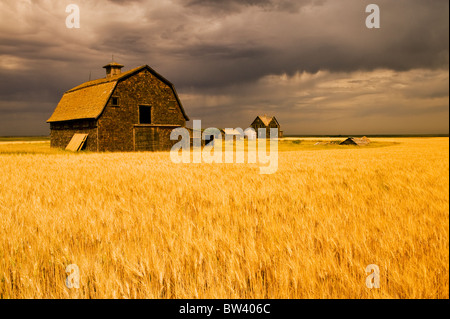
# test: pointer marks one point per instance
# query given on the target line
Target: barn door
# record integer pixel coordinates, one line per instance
(146, 138)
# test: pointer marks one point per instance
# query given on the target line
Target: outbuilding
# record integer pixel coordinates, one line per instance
(356, 141)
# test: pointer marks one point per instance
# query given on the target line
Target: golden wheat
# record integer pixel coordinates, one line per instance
(139, 226)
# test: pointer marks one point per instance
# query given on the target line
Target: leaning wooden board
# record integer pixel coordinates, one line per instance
(76, 143)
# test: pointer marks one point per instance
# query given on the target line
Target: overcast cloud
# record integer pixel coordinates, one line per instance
(311, 63)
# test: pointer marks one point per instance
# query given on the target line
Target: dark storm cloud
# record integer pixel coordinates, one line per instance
(244, 40)
(218, 50)
(414, 34)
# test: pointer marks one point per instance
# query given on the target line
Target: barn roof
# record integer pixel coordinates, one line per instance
(87, 100)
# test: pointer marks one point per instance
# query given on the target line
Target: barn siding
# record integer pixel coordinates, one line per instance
(164, 138)
(62, 132)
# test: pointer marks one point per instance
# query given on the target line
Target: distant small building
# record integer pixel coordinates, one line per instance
(356, 141)
(230, 132)
(267, 122)
(248, 133)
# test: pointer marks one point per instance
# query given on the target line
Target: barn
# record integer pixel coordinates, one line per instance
(125, 111)
(356, 141)
(267, 122)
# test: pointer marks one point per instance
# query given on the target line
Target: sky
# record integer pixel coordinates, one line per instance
(311, 63)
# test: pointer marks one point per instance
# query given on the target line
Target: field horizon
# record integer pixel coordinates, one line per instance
(47, 137)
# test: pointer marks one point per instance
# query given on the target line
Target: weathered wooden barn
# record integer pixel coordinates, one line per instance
(130, 111)
(267, 122)
(356, 141)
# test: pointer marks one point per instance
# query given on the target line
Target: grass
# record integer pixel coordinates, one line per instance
(140, 226)
(29, 149)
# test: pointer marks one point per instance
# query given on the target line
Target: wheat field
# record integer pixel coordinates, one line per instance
(139, 226)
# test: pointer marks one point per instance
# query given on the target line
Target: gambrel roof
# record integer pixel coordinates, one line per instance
(87, 101)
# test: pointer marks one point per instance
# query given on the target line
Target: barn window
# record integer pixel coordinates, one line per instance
(115, 101)
(145, 114)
